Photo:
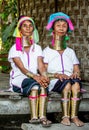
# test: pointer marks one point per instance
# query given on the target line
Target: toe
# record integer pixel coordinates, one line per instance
(66, 121)
(77, 122)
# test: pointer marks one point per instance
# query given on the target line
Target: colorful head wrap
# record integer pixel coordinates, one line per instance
(57, 16)
(17, 34)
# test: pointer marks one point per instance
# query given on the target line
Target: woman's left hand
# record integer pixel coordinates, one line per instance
(75, 76)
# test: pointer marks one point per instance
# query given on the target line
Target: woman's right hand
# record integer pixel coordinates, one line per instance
(41, 80)
(61, 76)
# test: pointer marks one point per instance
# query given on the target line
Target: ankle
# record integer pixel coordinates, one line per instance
(42, 117)
(74, 117)
(65, 117)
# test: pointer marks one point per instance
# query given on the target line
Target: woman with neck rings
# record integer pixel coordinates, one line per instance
(26, 60)
(62, 67)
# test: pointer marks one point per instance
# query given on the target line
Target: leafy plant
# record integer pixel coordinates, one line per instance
(8, 15)
(8, 18)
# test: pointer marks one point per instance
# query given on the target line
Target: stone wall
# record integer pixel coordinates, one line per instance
(78, 10)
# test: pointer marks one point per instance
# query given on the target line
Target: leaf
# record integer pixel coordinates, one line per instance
(8, 31)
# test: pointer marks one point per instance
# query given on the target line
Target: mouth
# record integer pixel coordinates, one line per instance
(28, 33)
(61, 33)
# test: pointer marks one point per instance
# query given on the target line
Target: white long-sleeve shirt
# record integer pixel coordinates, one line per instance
(59, 63)
(29, 61)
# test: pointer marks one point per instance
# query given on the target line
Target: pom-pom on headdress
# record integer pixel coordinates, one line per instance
(17, 34)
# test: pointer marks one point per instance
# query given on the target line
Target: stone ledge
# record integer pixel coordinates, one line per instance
(11, 95)
(12, 107)
(12, 103)
(57, 126)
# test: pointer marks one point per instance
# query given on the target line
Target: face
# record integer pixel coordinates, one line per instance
(26, 28)
(60, 28)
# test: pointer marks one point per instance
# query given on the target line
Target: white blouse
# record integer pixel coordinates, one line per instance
(29, 61)
(60, 63)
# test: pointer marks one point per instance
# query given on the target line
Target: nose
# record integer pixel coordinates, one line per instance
(27, 27)
(61, 28)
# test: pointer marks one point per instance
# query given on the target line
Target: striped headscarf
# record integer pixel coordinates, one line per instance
(34, 38)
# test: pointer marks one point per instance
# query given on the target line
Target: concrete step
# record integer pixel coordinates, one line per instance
(14, 103)
(58, 126)
(21, 106)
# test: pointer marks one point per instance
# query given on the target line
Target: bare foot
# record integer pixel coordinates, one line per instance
(34, 121)
(45, 122)
(77, 121)
(65, 121)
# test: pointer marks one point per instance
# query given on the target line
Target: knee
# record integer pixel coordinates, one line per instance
(76, 87)
(67, 87)
(43, 90)
(36, 87)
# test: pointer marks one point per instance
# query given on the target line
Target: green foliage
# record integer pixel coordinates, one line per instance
(8, 31)
(4, 69)
(8, 17)
(7, 37)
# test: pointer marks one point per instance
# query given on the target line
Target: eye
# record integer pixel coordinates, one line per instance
(24, 25)
(58, 25)
(64, 26)
(27, 26)
(30, 25)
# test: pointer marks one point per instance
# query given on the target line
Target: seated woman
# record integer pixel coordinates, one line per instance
(26, 60)
(63, 67)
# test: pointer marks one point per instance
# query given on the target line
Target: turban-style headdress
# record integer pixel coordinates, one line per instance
(59, 16)
(56, 16)
(33, 39)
